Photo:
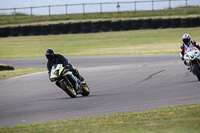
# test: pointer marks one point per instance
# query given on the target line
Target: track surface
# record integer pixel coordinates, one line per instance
(118, 84)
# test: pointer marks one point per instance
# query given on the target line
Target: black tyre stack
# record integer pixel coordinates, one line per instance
(106, 25)
(4, 32)
(96, 26)
(75, 27)
(126, 25)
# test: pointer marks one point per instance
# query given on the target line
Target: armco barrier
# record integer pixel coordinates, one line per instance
(45, 29)
(116, 25)
(85, 27)
(126, 25)
(75, 27)
(100, 26)
(14, 31)
(35, 30)
(4, 32)
(106, 25)
(96, 26)
(136, 24)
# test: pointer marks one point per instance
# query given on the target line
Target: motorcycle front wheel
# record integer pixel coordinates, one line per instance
(197, 71)
(68, 89)
(86, 90)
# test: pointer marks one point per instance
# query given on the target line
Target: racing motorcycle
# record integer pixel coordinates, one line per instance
(192, 59)
(67, 80)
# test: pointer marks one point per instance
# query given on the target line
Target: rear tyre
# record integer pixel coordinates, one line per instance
(197, 71)
(86, 90)
(68, 89)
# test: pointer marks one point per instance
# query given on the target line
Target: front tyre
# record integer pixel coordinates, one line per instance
(197, 71)
(85, 89)
(68, 89)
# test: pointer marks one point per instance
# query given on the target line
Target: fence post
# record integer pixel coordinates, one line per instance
(186, 3)
(101, 8)
(152, 5)
(135, 5)
(49, 10)
(66, 9)
(15, 13)
(118, 6)
(83, 8)
(31, 12)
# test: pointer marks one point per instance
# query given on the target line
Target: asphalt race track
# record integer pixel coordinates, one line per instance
(124, 83)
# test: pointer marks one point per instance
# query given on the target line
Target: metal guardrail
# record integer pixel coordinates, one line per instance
(15, 11)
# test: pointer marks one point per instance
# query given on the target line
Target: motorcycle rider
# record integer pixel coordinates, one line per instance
(60, 59)
(188, 45)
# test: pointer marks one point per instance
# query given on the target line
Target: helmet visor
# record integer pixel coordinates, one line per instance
(186, 41)
(50, 57)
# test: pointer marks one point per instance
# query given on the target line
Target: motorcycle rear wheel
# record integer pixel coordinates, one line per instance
(68, 89)
(197, 71)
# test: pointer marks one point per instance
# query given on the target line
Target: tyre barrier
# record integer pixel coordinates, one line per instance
(45, 29)
(85, 27)
(4, 32)
(25, 30)
(6, 67)
(65, 28)
(175, 22)
(194, 22)
(35, 30)
(116, 25)
(56, 29)
(14, 31)
(184, 22)
(106, 26)
(166, 23)
(146, 24)
(156, 23)
(75, 27)
(96, 26)
(126, 25)
(136, 24)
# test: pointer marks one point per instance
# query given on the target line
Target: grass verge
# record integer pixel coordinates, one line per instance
(19, 72)
(157, 41)
(180, 119)
(24, 19)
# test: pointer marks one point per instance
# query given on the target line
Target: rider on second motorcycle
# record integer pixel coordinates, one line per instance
(60, 59)
(188, 45)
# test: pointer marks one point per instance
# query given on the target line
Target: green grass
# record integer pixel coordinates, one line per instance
(158, 41)
(19, 72)
(180, 119)
(24, 19)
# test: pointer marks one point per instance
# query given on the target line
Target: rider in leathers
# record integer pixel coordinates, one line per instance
(60, 59)
(188, 45)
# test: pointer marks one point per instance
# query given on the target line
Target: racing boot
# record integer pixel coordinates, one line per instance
(77, 84)
(76, 73)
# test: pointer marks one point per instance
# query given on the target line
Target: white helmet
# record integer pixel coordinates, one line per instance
(186, 38)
